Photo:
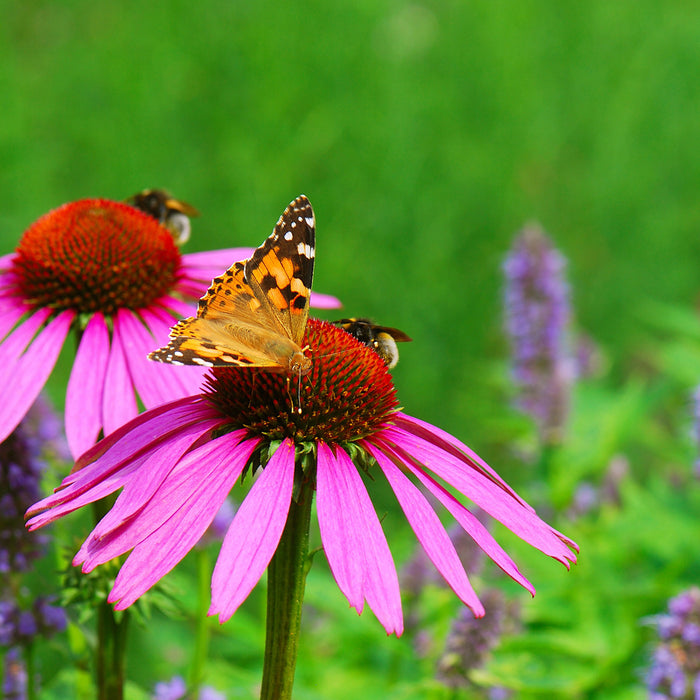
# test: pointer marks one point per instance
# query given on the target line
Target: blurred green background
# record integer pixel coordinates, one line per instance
(425, 133)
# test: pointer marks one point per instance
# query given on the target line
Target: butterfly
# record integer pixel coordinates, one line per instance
(381, 339)
(168, 211)
(254, 315)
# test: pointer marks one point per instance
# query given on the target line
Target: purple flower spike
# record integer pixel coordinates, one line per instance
(537, 322)
(675, 664)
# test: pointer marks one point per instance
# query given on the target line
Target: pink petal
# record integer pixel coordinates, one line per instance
(443, 440)
(22, 377)
(324, 301)
(379, 580)
(198, 497)
(182, 381)
(340, 524)
(133, 519)
(469, 522)
(430, 532)
(156, 383)
(254, 534)
(86, 386)
(107, 465)
(179, 308)
(6, 259)
(481, 490)
(119, 402)
(10, 312)
(214, 262)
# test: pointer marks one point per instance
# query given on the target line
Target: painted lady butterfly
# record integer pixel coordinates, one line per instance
(381, 339)
(168, 211)
(254, 315)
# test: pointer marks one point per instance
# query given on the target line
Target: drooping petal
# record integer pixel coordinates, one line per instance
(119, 400)
(6, 259)
(469, 522)
(181, 474)
(340, 524)
(442, 439)
(481, 490)
(22, 376)
(143, 490)
(254, 534)
(86, 386)
(198, 497)
(429, 531)
(109, 464)
(380, 584)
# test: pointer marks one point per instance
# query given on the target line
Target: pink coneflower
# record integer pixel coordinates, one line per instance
(115, 276)
(177, 463)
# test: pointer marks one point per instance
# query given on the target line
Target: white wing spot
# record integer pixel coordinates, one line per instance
(306, 250)
(288, 236)
(310, 221)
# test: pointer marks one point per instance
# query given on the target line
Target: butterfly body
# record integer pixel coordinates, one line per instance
(255, 313)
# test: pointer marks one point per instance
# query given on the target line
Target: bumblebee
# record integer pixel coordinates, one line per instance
(381, 339)
(168, 211)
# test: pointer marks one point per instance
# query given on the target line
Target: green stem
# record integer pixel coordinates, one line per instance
(286, 578)
(201, 632)
(112, 627)
(111, 648)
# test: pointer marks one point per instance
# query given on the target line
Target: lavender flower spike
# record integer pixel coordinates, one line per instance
(537, 310)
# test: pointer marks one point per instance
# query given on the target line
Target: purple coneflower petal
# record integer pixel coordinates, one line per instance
(23, 374)
(430, 532)
(380, 584)
(119, 400)
(106, 466)
(179, 308)
(6, 259)
(155, 383)
(120, 523)
(208, 264)
(469, 522)
(207, 480)
(84, 395)
(482, 491)
(340, 524)
(324, 301)
(443, 440)
(254, 534)
(183, 381)
(11, 312)
(133, 520)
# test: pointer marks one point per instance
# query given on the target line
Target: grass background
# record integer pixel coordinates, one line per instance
(425, 134)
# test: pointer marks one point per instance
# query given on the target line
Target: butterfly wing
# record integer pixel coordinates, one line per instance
(213, 343)
(281, 270)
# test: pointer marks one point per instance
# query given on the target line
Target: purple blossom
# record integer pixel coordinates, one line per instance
(675, 663)
(14, 676)
(471, 639)
(537, 311)
(176, 689)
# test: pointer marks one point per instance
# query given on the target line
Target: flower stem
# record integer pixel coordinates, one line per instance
(286, 578)
(112, 627)
(111, 657)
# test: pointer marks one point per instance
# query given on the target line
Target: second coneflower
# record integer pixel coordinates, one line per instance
(321, 423)
(115, 276)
